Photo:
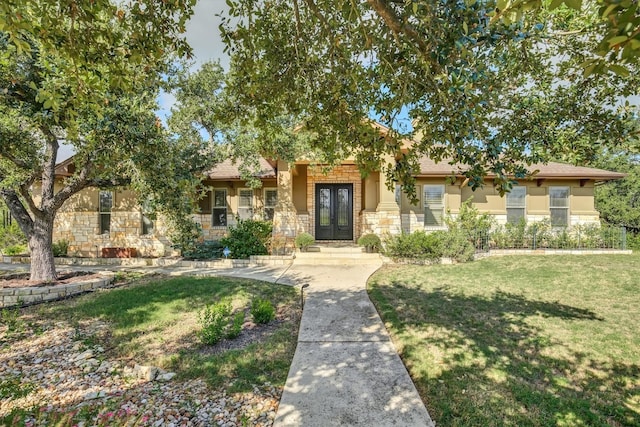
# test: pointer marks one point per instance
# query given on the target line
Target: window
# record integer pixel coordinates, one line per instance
(245, 204)
(559, 206)
(516, 205)
(148, 219)
(104, 208)
(270, 200)
(433, 205)
(219, 213)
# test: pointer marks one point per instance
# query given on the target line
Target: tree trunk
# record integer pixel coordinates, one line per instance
(40, 246)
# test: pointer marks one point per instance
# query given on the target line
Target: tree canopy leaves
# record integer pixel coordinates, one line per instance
(492, 95)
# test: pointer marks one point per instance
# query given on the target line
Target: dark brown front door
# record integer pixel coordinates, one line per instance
(334, 211)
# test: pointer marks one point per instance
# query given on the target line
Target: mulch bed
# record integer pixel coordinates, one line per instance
(21, 280)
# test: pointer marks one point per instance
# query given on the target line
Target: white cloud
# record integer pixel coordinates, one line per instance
(203, 33)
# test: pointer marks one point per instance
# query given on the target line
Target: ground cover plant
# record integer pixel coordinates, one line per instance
(519, 341)
(153, 321)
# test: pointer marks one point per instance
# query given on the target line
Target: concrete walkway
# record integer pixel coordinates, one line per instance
(346, 371)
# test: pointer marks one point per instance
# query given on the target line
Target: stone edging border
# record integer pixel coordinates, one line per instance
(255, 260)
(10, 297)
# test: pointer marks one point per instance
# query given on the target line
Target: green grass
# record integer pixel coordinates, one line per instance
(519, 341)
(155, 322)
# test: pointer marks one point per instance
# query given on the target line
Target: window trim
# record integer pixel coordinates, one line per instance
(215, 208)
(101, 213)
(265, 206)
(565, 208)
(251, 206)
(425, 205)
(523, 207)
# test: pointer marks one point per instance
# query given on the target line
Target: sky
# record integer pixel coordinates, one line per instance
(203, 36)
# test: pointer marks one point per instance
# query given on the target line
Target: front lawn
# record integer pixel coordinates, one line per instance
(519, 341)
(72, 360)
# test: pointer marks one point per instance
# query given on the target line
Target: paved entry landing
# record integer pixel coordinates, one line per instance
(346, 371)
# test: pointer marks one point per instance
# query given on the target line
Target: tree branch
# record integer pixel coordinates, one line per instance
(74, 185)
(49, 166)
(19, 163)
(314, 8)
(382, 8)
(18, 211)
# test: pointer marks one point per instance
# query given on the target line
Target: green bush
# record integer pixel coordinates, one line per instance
(60, 248)
(469, 220)
(370, 241)
(15, 250)
(12, 237)
(304, 240)
(417, 245)
(262, 311)
(217, 322)
(633, 241)
(455, 245)
(248, 238)
(209, 249)
(236, 325)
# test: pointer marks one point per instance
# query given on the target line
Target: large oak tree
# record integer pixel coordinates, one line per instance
(87, 73)
(478, 86)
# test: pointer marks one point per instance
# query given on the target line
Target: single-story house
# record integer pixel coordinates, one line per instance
(332, 204)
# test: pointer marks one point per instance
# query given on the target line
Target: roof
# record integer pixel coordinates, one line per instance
(549, 170)
(229, 169)
(65, 168)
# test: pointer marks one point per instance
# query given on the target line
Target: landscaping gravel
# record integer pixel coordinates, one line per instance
(57, 371)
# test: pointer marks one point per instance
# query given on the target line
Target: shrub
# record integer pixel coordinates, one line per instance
(304, 240)
(14, 250)
(370, 241)
(217, 322)
(469, 220)
(248, 238)
(60, 248)
(262, 311)
(209, 249)
(633, 241)
(417, 245)
(455, 245)
(12, 236)
(236, 325)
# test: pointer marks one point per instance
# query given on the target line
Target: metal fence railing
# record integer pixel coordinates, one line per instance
(540, 237)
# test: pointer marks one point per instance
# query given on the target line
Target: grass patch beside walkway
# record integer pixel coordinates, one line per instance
(155, 322)
(69, 362)
(519, 341)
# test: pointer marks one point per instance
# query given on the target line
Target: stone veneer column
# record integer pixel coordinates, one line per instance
(388, 211)
(284, 217)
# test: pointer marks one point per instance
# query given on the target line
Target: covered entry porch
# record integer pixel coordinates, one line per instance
(333, 203)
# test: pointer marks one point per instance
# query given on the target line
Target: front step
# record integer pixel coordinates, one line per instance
(336, 258)
(336, 249)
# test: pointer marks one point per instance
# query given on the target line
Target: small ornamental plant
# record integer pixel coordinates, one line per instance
(304, 240)
(262, 311)
(370, 241)
(218, 322)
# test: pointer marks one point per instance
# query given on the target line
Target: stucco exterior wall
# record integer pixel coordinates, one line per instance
(488, 200)
(374, 208)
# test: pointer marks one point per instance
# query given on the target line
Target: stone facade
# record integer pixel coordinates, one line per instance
(82, 230)
(342, 174)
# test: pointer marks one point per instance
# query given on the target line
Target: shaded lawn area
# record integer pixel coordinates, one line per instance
(519, 341)
(155, 322)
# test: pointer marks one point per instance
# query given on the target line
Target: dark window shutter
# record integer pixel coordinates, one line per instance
(205, 203)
